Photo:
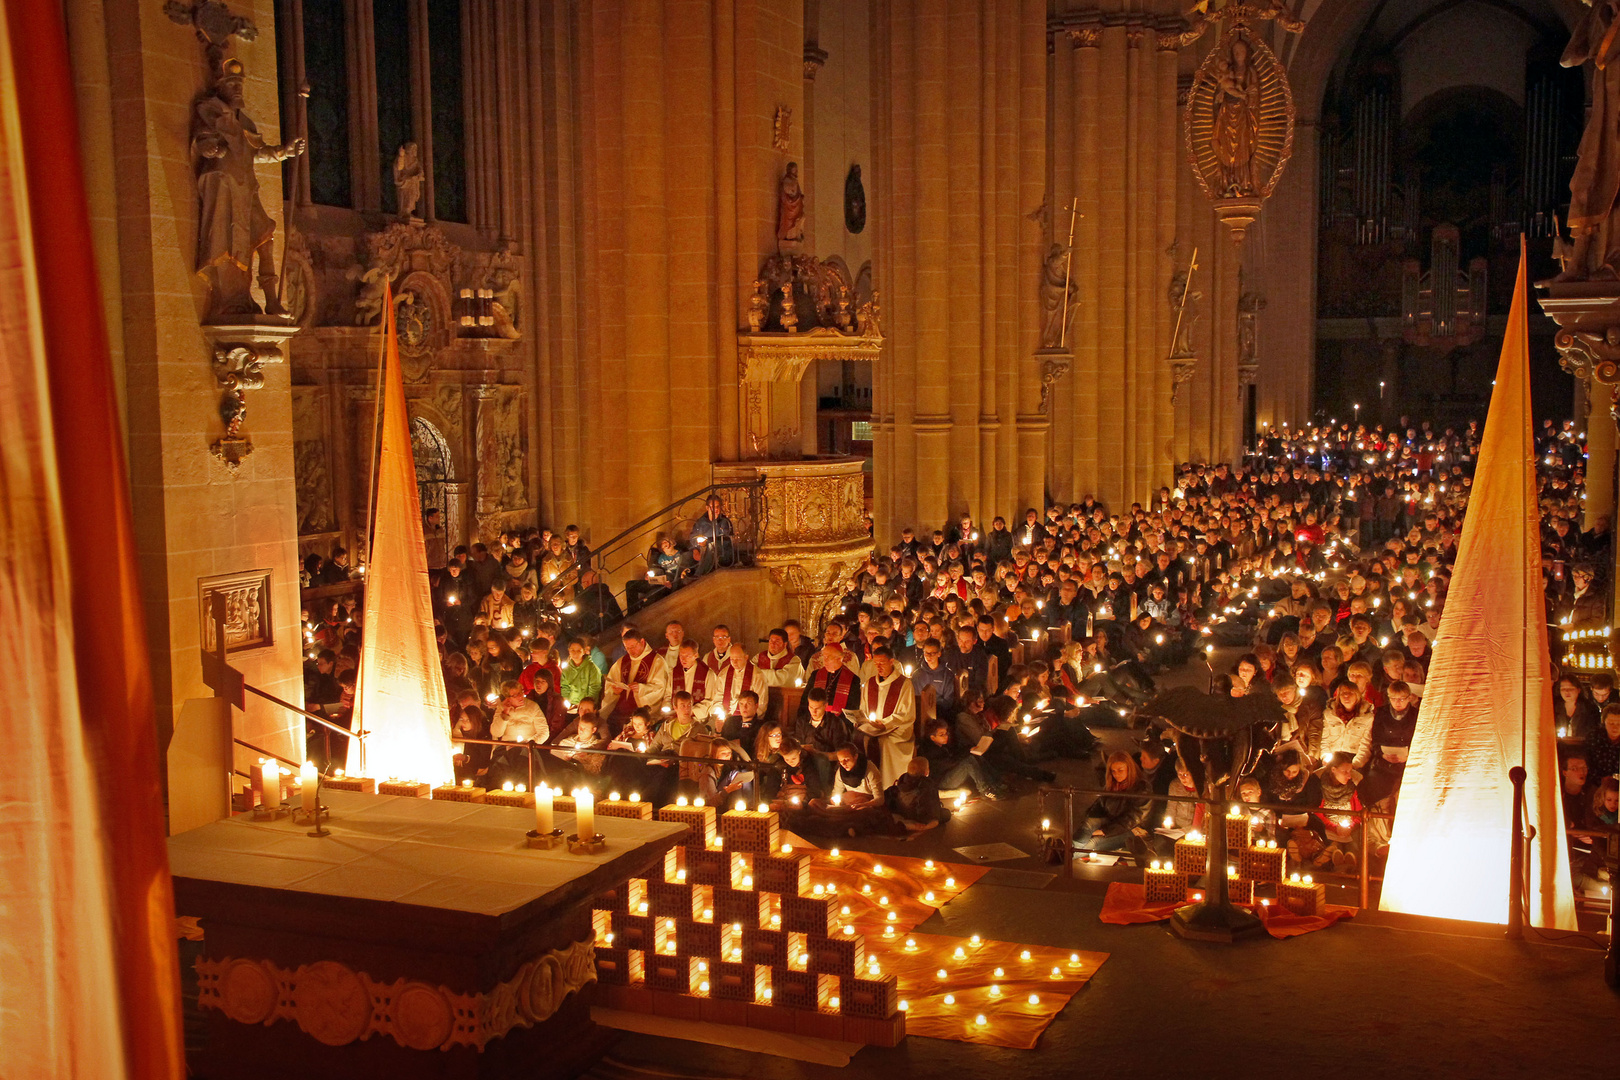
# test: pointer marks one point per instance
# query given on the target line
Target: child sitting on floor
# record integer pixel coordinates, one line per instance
(915, 800)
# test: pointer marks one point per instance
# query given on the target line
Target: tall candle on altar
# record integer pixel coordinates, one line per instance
(585, 813)
(542, 809)
(270, 785)
(306, 787)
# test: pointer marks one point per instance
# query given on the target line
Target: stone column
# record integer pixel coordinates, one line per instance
(1600, 451)
(199, 520)
(365, 162)
(1115, 140)
(960, 172)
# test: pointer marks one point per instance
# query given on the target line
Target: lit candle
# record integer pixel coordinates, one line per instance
(585, 813)
(306, 787)
(542, 810)
(270, 785)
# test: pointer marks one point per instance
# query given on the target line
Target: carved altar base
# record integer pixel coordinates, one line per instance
(812, 532)
(417, 937)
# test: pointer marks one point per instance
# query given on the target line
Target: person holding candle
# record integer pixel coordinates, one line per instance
(470, 721)
(1113, 823)
(889, 713)
(499, 664)
(639, 679)
(516, 719)
(585, 769)
(1291, 783)
(581, 679)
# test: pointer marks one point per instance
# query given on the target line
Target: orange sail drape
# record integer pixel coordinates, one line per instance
(1487, 705)
(90, 983)
(400, 696)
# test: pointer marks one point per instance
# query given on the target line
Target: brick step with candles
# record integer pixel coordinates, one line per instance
(744, 929)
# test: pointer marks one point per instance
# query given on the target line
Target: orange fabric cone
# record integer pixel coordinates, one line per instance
(399, 696)
(1487, 705)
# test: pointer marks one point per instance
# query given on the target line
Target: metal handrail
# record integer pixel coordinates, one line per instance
(529, 749)
(306, 714)
(662, 518)
(263, 753)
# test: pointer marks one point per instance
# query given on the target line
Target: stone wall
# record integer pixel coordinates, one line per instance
(196, 517)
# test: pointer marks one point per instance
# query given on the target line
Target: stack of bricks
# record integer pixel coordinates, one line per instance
(410, 789)
(464, 792)
(1302, 896)
(733, 933)
(1258, 862)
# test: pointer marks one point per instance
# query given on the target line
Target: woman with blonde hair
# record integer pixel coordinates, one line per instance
(1117, 821)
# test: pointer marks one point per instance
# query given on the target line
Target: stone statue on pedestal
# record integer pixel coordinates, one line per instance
(1595, 184)
(1057, 298)
(232, 227)
(790, 208)
(1185, 304)
(408, 180)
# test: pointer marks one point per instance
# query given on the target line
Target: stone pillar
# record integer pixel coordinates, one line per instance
(1287, 234)
(1600, 450)
(201, 523)
(486, 445)
(960, 172)
(1116, 145)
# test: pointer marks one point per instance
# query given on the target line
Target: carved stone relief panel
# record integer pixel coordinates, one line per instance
(502, 469)
(247, 610)
(312, 472)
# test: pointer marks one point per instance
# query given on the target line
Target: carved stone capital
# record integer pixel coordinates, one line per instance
(1590, 355)
(240, 350)
(1055, 363)
(1247, 375)
(1181, 373)
(1135, 35)
(1167, 41)
(815, 57)
(1085, 37)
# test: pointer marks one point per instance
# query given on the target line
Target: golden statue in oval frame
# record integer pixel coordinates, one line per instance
(1239, 120)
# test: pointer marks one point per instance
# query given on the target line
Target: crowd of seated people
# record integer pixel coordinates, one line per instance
(967, 660)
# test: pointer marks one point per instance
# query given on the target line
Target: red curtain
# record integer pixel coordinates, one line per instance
(107, 619)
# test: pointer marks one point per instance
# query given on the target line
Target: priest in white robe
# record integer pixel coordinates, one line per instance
(638, 679)
(888, 717)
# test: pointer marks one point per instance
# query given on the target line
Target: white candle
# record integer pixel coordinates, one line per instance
(542, 810)
(306, 787)
(585, 813)
(270, 785)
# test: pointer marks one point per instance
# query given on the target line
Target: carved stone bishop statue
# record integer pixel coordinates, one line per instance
(1595, 185)
(233, 230)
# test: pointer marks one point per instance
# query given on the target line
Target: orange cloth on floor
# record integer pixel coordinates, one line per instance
(1011, 1019)
(904, 882)
(1125, 904)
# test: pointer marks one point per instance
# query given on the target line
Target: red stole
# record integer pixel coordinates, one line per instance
(628, 704)
(764, 660)
(699, 677)
(843, 683)
(891, 701)
(727, 694)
